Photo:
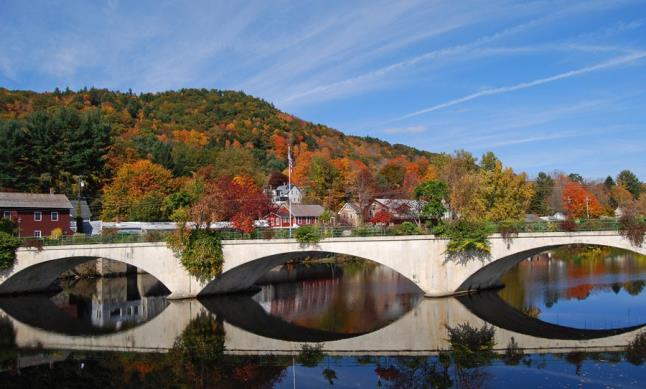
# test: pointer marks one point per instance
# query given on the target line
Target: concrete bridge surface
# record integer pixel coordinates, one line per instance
(250, 330)
(420, 258)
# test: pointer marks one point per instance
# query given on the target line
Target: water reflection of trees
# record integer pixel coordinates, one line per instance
(463, 365)
(571, 272)
(197, 360)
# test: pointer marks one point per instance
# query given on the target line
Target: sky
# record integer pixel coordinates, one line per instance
(544, 84)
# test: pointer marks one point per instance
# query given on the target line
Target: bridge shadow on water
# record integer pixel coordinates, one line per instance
(492, 309)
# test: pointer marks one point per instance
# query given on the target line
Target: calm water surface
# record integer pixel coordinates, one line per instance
(347, 325)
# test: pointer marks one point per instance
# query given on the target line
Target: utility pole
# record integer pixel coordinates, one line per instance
(289, 185)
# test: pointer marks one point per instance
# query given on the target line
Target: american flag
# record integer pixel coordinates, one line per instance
(290, 162)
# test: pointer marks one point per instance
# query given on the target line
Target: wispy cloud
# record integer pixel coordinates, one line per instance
(530, 84)
(405, 130)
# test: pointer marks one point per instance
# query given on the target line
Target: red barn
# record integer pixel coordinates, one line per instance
(302, 214)
(36, 214)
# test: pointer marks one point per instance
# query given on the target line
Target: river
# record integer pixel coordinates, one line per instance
(567, 317)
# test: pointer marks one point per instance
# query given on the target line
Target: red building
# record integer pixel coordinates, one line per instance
(36, 214)
(302, 214)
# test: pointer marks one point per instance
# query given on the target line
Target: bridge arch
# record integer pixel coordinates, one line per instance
(243, 276)
(507, 254)
(35, 270)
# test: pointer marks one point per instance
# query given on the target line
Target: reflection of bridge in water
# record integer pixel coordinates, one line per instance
(251, 330)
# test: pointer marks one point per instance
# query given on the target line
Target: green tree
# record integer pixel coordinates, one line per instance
(391, 177)
(543, 188)
(434, 193)
(488, 161)
(629, 180)
(325, 181)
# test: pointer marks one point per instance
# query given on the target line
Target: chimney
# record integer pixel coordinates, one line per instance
(51, 191)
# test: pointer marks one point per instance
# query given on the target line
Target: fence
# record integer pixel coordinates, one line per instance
(327, 232)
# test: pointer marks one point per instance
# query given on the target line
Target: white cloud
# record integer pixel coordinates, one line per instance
(525, 85)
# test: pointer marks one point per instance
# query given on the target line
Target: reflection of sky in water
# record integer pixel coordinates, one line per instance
(580, 288)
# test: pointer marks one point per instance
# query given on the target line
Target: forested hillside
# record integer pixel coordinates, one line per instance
(49, 140)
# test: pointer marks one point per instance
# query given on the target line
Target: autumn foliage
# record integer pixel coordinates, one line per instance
(579, 202)
(237, 199)
(136, 184)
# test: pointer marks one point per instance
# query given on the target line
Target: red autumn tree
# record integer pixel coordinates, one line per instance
(579, 202)
(238, 200)
(382, 217)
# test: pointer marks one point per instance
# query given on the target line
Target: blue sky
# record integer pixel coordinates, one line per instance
(544, 84)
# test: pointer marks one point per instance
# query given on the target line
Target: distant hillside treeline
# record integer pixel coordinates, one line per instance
(48, 140)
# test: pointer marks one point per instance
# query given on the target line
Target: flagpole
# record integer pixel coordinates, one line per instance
(289, 186)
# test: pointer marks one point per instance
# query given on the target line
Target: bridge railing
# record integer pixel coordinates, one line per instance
(326, 232)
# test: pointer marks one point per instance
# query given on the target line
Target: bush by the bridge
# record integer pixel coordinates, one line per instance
(200, 252)
(307, 235)
(632, 227)
(8, 246)
(465, 236)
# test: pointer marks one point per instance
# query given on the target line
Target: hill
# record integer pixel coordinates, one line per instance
(49, 139)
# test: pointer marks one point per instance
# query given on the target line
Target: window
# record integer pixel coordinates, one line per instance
(7, 214)
(54, 216)
(38, 216)
(38, 234)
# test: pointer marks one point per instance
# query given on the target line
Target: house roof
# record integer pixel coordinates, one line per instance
(86, 214)
(285, 188)
(353, 206)
(34, 200)
(397, 203)
(304, 210)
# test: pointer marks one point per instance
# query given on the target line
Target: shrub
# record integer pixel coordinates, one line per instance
(268, 233)
(200, 252)
(7, 226)
(307, 235)
(568, 225)
(56, 233)
(153, 236)
(465, 236)
(310, 356)
(472, 347)
(632, 227)
(33, 242)
(8, 246)
(636, 350)
(407, 228)
(509, 229)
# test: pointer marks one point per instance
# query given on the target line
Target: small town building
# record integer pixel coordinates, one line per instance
(37, 214)
(285, 193)
(81, 209)
(302, 214)
(350, 214)
(401, 210)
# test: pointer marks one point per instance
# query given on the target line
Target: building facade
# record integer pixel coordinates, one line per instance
(36, 214)
(401, 210)
(350, 214)
(285, 193)
(302, 214)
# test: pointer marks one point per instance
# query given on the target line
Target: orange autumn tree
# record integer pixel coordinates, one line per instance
(192, 138)
(137, 192)
(579, 202)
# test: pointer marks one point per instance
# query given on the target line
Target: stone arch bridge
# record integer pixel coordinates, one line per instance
(420, 258)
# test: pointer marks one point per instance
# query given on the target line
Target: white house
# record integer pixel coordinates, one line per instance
(284, 193)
